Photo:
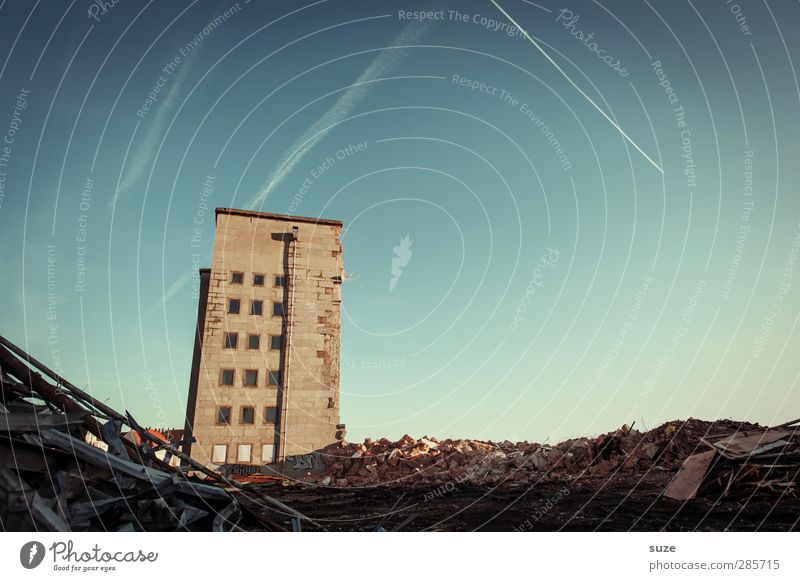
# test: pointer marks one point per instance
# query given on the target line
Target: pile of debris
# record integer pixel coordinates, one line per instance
(742, 464)
(428, 460)
(53, 479)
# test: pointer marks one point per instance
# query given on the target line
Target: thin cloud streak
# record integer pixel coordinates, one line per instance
(152, 139)
(379, 67)
(171, 292)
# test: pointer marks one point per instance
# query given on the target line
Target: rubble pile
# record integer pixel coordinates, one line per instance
(428, 460)
(742, 463)
(53, 479)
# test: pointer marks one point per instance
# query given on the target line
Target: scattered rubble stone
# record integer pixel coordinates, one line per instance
(430, 461)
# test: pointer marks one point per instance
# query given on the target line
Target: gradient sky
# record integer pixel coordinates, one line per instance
(549, 292)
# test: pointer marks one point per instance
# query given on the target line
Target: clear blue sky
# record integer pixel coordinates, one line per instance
(556, 282)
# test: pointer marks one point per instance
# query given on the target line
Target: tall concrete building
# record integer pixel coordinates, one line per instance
(265, 373)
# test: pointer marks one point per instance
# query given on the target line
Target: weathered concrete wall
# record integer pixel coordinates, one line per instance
(308, 407)
(312, 399)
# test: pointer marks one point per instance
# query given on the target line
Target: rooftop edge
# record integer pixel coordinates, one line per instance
(284, 217)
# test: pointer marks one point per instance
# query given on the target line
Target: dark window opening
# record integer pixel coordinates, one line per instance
(237, 277)
(226, 377)
(250, 377)
(231, 340)
(224, 415)
(258, 280)
(256, 307)
(270, 414)
(234, 305)
(253, 341)
(248, 415)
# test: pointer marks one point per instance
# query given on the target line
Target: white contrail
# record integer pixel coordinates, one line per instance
(170, 292)
(379, 67)
(148, 146)
(571, 82)
(155, 134)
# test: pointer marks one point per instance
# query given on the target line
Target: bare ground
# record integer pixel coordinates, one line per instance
(621, 502)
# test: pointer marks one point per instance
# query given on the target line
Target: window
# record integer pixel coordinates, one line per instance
(231, 340)
(224, 415)
(250, 377)
(280, 281)
(226, 377)
(234, 306)
(220, 454)
(244, 453)
(275, 342)
(273, 378)
(248, 415)
(253, 341)
(277, 309)
(267, 453)
(270, 414)
(256, 307)
(258, 280)
(237, 277)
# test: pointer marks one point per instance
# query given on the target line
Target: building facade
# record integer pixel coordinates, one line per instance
(264, 382)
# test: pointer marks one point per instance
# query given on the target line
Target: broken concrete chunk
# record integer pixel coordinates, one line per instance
(686, 483)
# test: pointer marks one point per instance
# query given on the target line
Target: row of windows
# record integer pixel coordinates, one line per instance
(227, 377)
(230, 340)
(258, 279)
(247, 415)
(256, 308)
(244, 453)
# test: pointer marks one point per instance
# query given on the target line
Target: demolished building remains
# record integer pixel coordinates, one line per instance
(52, 479)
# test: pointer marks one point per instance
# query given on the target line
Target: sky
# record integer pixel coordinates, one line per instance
(547, 234)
